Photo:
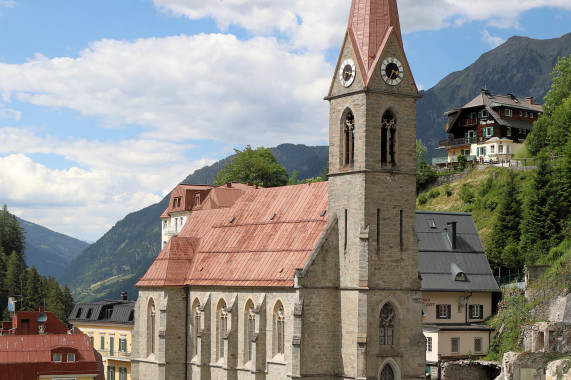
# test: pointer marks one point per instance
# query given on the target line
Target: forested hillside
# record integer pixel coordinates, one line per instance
(49, 251)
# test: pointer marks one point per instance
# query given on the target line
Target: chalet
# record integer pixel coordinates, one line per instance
(490, 128)
(109, 325)
(37, 345)
(458, 288)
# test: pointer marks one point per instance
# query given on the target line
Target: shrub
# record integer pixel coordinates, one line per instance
(491, 204)
(462, 162)
(422, 199)
(484, 190)
(434, 193)
(466, 194)
(447, 189)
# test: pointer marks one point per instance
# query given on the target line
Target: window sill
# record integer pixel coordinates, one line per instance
(279, 359)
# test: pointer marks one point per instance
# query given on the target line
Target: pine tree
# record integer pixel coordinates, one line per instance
(32, 294)
(68, 303)
(54, 299)
(506, 229)
(12, 238)
(13, 279)
(539, 215)
(3, 292)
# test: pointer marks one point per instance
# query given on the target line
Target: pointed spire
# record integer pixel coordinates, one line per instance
(369, 22)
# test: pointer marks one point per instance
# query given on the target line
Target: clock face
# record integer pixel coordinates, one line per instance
(392, 71)
(347, 72)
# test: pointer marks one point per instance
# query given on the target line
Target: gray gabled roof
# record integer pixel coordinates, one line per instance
(107, 311)
(440, 265)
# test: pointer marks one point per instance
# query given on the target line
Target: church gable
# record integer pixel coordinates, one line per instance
(347, 58)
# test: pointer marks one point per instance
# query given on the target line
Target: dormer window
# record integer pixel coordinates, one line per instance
(458, 273)
(431, 223)
(197, 200)
(461, 277)
(70, 358)
(56, 358)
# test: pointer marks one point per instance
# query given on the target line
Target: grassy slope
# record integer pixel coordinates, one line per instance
(482, 208)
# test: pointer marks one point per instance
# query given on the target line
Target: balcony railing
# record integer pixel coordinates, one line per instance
(457, 142)
(172, 230)
(449, 160)
(468, 122)
(115, 354)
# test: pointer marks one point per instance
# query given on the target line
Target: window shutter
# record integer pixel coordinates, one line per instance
(491, 131)
(482, 311)
(448, 311)
(479, 114)
(466, 134)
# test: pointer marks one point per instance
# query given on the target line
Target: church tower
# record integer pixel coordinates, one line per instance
(372, 132)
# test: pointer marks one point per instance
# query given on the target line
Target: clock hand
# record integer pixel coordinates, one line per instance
(394, 72)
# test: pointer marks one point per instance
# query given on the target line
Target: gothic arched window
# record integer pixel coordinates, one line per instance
(279, 329)
(196, 326)
(386, 326)
(388, 138)
(349, 139)
(249, 329)
(388, 373)
(222, 327)
(151, 325)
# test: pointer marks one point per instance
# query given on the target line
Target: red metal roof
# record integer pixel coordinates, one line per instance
(369, 22)
(242, 245)
(24, 357)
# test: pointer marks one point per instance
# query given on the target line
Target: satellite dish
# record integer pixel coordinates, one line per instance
(42, 318)
(462, 301)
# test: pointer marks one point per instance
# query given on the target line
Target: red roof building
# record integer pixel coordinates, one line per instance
(57, 353)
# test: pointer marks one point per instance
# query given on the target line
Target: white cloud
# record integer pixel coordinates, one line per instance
(176, 88)
(297, 19)
(7, 3)
(491, 40)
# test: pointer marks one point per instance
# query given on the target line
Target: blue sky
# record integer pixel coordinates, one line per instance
(106, 105)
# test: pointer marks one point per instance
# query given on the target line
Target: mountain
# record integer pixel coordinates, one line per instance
(521, 66)
(117, 260)
(49, 251)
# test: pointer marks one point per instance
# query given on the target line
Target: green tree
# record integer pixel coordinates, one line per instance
(3, 292)
(506, 228)
(539, 214)
(54, 299)
(425, 175)
(13, 280)
(32, 293)
(257, 166)
(12, 235)
(68, 303)
(551, 131)
(462, 162)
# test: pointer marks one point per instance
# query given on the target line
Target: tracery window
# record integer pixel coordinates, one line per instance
(388, 138)
(222, 327)
(196, 328)
(151, 319)
(250, 330)
(388, 373)
(349, 137)
(279, 329)
(386, 326)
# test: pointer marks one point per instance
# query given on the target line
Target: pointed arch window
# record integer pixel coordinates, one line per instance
(250, 330)
(349, 139)
(151, 326)
(388, 138)
(279, 329)
(388, 373)
(222, 328)
(196, 327)
(386, 326)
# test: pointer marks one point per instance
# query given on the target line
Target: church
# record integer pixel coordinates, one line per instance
(316, 281)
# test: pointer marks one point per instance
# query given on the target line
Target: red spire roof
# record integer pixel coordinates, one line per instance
(369, 24)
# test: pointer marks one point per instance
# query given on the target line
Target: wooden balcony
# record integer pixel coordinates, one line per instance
(457, 142)
(468, 122)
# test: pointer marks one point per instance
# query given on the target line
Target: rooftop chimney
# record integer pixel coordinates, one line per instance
(451, 231)
(529, 99)
(123, 296)
(248, 183)
(228, 184)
